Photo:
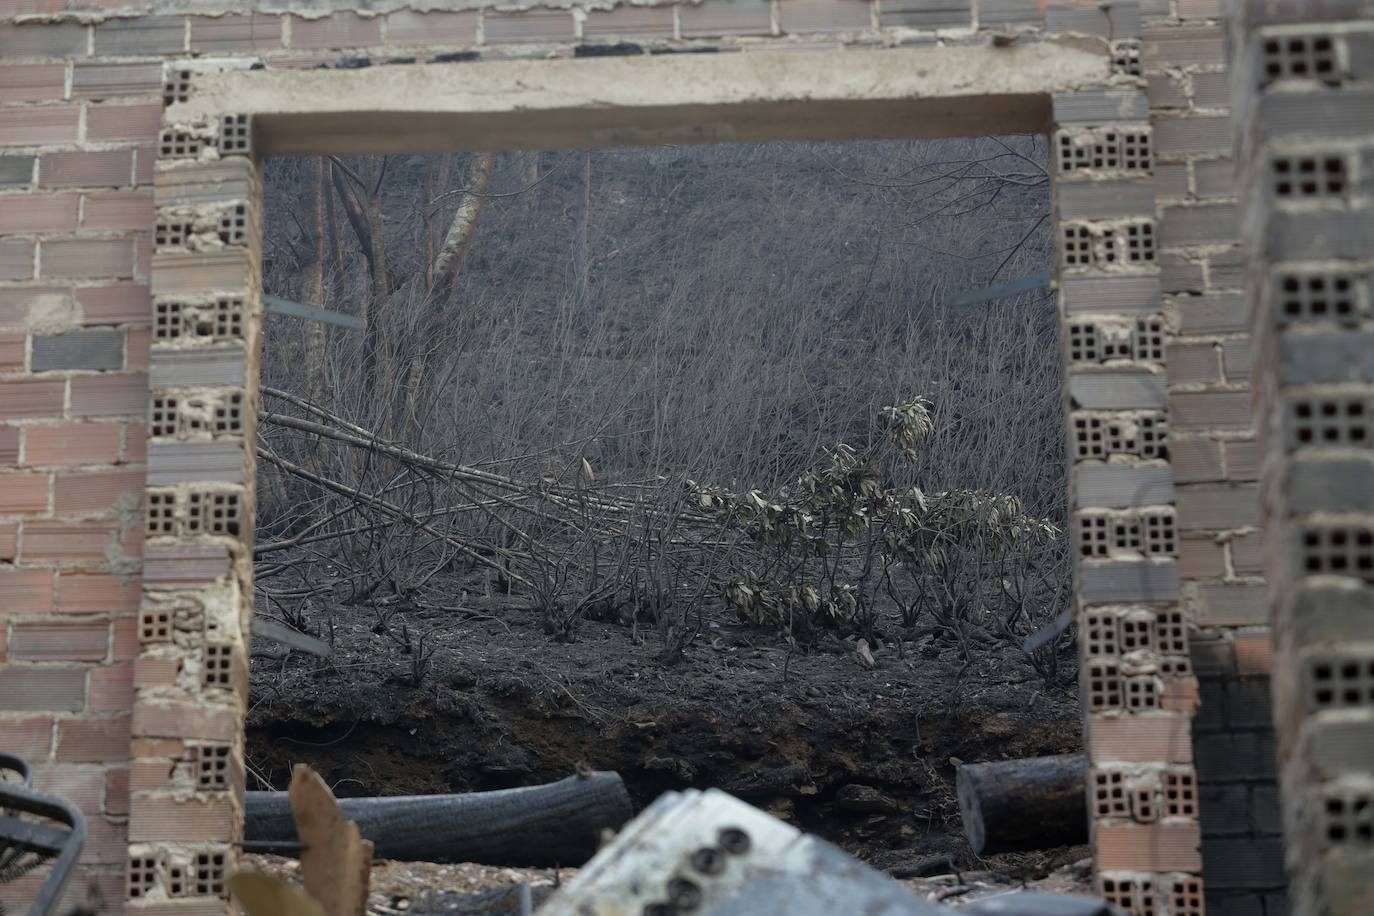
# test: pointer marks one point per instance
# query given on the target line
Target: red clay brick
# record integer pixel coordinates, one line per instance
(18, 303)
(33, 82)
(43, 39)
(628, 22)
(118, 210)
(110, 395)
(117, 791)
(97, 593)
(11, 356)
(145, 158)
(143, 256)
(60, 642)
(25, 591)
(153, 773)
(4, 643)
(97, 258)
(185, 720)
(1247, 554)
(1254, 653)
(102, 80)
(94, 492)
(137, 346)
(180, 820)
(111, 688)
(1141, 739)
(156, 670)
(86, 169)
(135, 443)
(9, 443)
(107, 842)
(23, 493)
(29, 738)
(81, 784)
(161, 748)
(341, 30)
(26, 399)
(42, 688)
(39, 213)
(251, 32)
(9, 540)
(31, 7)
(125, 639)
(39, 126)
(528, 26)
(16, 259)
(406, 27)
(809, 16)
(71, 443)
(1201, 558)
(123, 122)
(68, 542)
(1153, 848)
(1180, 694)
(120, 303)
(93, 740)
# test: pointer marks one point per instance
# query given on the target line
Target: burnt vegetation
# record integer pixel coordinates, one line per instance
(631, 426)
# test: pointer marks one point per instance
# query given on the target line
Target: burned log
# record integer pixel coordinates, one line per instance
(550, 825)
(1033, 803)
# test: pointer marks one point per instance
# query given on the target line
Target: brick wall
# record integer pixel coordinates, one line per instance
(1215, 456)
(1304, 101)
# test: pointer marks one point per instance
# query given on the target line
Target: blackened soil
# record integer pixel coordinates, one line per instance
(864, 757)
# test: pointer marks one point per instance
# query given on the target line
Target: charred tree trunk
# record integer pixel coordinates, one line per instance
(1034, 803)
(312, 281)
(552, 825)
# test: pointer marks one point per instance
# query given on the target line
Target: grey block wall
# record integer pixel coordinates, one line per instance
(1303, 82)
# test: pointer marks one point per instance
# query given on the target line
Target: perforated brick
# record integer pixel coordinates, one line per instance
(1161, 537)
(1123, 149)
(163, 421)
(1126, 56)
(1083, 342)
(1137, 633)
(1347, 815)
(1340, 419)
(1100, 632)
(1135, 894)
(1186, 897)
(1142, 693)
(1302, 57)
(1308, 177)
(229, 414)
(215, 513)
(1094, 535)
(208, 870)
(235, 135)
(1171, 632)
(1180, 793)
(1316, 295)
(167, 320)
(175, 144)
(161, 514)
(1088, 437)
(1110, 798)
(218, 664)
(1104, 686)
(1338, 549)
(143, 872)
(1143, 808)
(233, 226)
(176, 87)
(212, 766)
(1147, 340)
(1340, 681)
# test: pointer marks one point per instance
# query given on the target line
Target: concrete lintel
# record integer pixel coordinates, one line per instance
(618, 101)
